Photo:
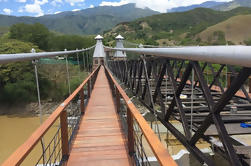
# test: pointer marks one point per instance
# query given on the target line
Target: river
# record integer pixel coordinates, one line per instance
(15, 130)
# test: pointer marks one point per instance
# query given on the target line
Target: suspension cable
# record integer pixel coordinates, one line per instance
(207, 73)
(156, 127)
(226, 84)
(83, 54)
(67, 73)
(192, 95)
(79, 73)
(34, 62)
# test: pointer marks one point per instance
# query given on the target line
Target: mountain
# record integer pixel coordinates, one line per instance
(235, 29)
(233, 4)
(221, 6)
(87, 21)
(174, 28)
(208, 4)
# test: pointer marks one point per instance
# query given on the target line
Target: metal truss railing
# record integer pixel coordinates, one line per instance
(65, 118)
(139, 134)
(198, 86)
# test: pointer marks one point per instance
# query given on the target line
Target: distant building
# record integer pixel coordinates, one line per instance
(99, 53)
(119, 55)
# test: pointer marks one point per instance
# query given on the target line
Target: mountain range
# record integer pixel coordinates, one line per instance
(183, 28)
(87, 21)
(208, 4)
(233, 4)
(222, 6)
(103, 18)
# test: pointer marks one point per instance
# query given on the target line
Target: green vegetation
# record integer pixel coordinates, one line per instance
(46, 40)
(219, 38)
(70, 42)
(3, 30)
(248, 42)
(17, 80)
(180, 28)
(36, 33)
(235, 29)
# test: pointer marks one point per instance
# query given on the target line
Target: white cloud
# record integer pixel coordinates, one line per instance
(35, 7)
(21, 10)
(107, 3)
(75, 10)
(73, 2)
(7, 11)
(56, 2)
(21, 1)
(157, 5)
(91, 6)
(57, 12)
(42, 2)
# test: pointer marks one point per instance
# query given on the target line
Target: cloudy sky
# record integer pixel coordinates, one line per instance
(42, 7)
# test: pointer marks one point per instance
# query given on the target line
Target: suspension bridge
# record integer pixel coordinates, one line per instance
(206, 89)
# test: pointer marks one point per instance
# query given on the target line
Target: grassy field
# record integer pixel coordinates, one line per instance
(236, 29)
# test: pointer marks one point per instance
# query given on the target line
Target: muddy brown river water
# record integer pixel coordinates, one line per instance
(15, 130)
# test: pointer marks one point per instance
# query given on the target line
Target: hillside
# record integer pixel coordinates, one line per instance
(233, 4)
(3, 30)
(87, 21)
(236, 29)
(175, 28)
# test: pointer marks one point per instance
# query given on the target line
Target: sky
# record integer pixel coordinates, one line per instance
(42, 7)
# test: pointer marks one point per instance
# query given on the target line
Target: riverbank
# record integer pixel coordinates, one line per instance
(30, 109)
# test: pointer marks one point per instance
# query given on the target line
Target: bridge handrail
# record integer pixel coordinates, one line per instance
(158, 149)
(23, 151)
(230, 55)
(7, 58)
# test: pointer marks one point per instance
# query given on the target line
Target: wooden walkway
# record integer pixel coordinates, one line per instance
(100, 140)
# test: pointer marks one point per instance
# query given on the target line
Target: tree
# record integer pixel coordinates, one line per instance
(16, 79)
(37, 34)
(70, 42)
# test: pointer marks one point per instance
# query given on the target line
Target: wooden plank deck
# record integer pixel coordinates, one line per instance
(100, 140)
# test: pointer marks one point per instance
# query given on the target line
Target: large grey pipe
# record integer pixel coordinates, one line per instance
(231, 55)
(7, 58)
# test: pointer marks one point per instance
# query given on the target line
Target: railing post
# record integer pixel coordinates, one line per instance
(92, 83)
(229, 79)
(89, 88)
(130, 132)
(118, 100)
(249, 85)
(64, 135)
(82, 101)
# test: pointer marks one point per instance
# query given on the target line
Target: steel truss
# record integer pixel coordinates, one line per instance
(161, 82)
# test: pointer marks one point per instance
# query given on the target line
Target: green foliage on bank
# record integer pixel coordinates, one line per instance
(34, 33)
(39, 35)
(17, 80)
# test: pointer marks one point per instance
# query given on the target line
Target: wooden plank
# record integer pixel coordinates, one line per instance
(100, 139)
